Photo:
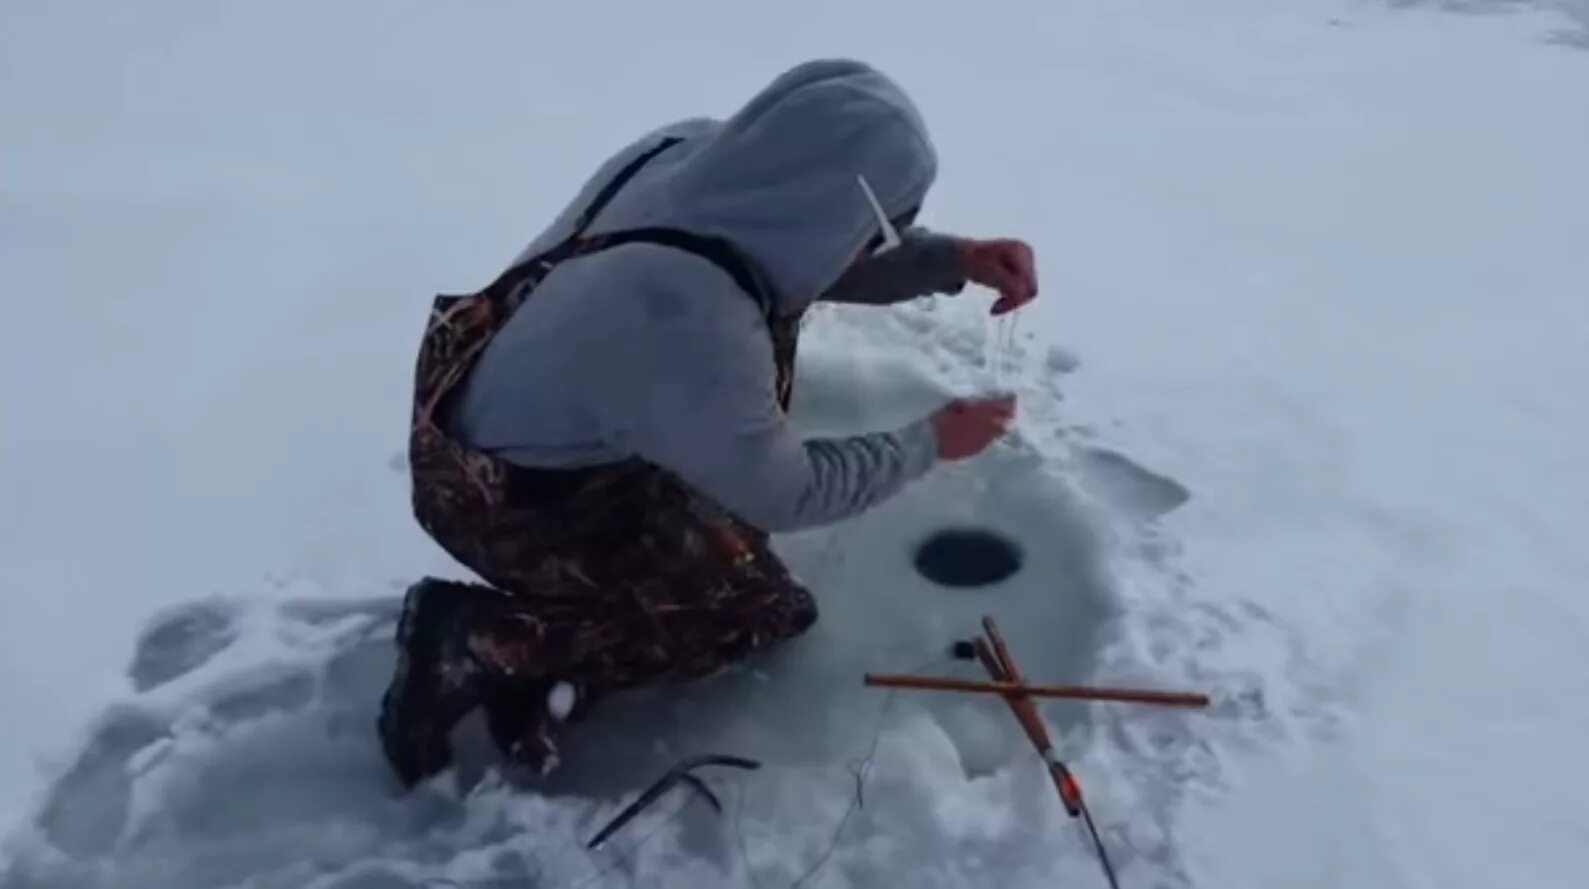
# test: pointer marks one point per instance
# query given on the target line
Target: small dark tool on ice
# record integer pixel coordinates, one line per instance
(681, 773)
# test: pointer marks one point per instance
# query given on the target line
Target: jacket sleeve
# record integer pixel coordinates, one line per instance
(925, 262)
(707, 411)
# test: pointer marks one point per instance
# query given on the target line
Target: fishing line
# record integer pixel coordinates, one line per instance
(1002, 353)
(1097, 843)
(990, 347)
(859, 769)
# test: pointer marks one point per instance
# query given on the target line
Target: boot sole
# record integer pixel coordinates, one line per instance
(411, 769)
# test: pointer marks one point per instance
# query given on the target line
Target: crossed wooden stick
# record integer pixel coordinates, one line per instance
(995, 656)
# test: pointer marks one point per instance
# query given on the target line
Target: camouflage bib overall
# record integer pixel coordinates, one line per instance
(625, 576)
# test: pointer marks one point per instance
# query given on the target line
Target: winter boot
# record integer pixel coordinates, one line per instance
(437, 681)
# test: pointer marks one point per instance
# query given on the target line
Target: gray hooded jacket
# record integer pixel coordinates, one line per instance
(649, 351)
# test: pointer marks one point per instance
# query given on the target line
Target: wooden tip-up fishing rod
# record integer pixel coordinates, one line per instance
(995, 656)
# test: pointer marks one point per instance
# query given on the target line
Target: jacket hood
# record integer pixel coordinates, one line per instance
(780, 178)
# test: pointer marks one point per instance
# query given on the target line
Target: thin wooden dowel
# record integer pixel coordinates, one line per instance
(1076, 692)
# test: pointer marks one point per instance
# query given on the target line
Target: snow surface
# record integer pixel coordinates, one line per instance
(1301, 426)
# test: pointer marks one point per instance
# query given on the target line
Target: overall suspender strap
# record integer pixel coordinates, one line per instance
(611, 189)
(716, 250)
(509, 281)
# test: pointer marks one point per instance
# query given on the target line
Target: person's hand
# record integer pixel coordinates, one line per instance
(967, 426)
(1005, 265)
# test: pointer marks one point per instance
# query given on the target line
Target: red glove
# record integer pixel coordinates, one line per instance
(1005, 265)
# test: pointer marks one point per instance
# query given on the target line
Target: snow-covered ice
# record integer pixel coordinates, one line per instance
(1300, 426)
(244, 752)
